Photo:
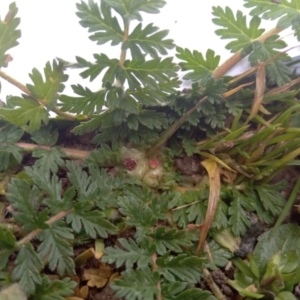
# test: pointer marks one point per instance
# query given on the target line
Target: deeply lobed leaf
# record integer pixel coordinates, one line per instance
(27, 270)
(9, 34)
(47, 89)
(99, 19)
(55, 248)
(131, 9)
(236, 28)
(287, 12)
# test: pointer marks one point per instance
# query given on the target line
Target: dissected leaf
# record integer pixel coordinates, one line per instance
(27, 269)
(45, 136)
(7, 239)
(271, 198)
(276, 71)
(49, 159)
(286, 11)
(137, 284)
(47, 89)
(148, 73)
(94, 69)
(183, 267)
(94, 222)
(170, 239)
(56, 249)
(239, 220)
(26, 113)
(202, 68)
(9, 135)
(100, 21)
(139, 214)
(236, 28)
(9, 34)
(150, 40)
(26, 202)
(52, 186)
(131, 254)
(54, 289)
(131, 9)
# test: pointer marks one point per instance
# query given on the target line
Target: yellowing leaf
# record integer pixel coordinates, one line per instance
(259, 90)
(214, 193)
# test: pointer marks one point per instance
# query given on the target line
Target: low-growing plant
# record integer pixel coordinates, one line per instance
(143, 178)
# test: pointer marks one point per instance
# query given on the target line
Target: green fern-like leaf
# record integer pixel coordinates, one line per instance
(236, 28)
(105, 155)
(150, 40)
(148, 73)
(94, 69)
(45, 136)
(9, 34)
(277, 72)
(137, 284)
(100, 21)
(130, 10)
(52, 186)
(49, 159)
(56, 249)
(54, 290)
(182, 267)
(26, 202)
(48, 90)
(201, 67)
(27, 269)
(271, 198)
(129, 255)
(238, 217)
(9, 135)
(88, 102)
(7, 239)
(171, 239)
(286, 11)
(93, 222)
(179, 290)
(26, 113)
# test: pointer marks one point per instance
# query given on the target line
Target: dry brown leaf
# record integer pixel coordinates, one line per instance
(236, 89)
(259, 90)
(214, 192)
(84, 292)
(97, 277)
(93, 277)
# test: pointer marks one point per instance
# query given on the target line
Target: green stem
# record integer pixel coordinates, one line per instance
(24, 89)
(288, 205)
(171, 130)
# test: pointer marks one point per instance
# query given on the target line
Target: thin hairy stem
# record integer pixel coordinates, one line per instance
(71, 153)
(235, 58)
(24, 89)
